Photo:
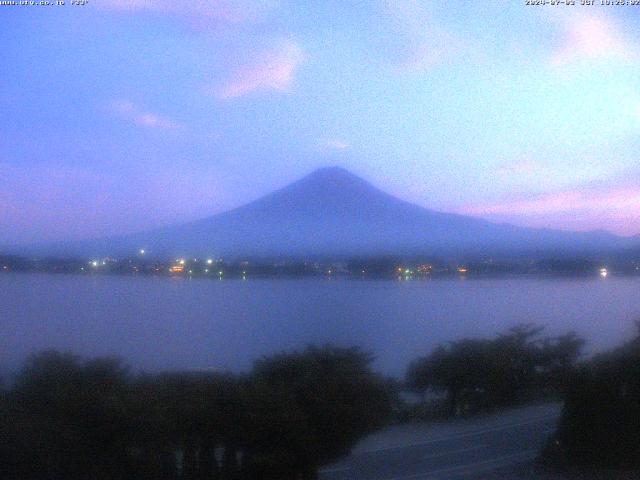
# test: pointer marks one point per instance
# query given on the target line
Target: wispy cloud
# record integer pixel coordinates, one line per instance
(199, 13)
(334, 144)
(615, 207)
(586, 36)
(133, 113)
(271, 69)
(423, 43)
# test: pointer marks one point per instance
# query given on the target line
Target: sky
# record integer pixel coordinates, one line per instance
(118, 116)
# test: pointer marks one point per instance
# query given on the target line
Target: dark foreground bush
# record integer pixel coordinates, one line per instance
(600, 424)
(67, 418)
(483, 374)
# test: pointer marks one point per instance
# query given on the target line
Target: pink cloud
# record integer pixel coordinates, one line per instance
(616, 208)
(545, 204)
(588, 37)
(131, 112)
(272, 69)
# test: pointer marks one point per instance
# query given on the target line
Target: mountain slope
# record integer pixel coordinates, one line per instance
(333, 212)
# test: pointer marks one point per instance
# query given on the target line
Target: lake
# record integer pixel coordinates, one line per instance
(158, 323)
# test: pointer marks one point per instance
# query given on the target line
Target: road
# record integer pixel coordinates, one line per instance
(477, 448)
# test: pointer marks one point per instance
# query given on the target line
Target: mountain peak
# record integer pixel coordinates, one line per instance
(333, 173)
(331, 170)
(324, 194)
(332, 211)
(332, 178)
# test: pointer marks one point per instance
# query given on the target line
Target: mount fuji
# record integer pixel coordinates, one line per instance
(334, 212)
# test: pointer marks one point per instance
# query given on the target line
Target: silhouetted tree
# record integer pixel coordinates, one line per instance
(558, 357)
(75, 419)
(69, 418)
(189, 416)
(600, 424)
(280, 444)
(335, 389)
(6, 436)
(483, 374)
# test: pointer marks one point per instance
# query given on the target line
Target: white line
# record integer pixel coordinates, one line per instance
(486, 464)
(334, 470)
(451, 452)
(460, 435)
(500, 461)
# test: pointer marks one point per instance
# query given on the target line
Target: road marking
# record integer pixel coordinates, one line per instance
(460, 435)
(491, 464)
(334, 469)
(451, 452)
(497, 462)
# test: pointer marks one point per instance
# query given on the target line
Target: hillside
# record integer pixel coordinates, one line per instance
(333, 212)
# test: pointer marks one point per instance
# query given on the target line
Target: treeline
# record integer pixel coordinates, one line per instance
(600, 423)
(70, 418)
(473, 375)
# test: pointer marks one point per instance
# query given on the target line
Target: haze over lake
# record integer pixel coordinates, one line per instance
(158, 323)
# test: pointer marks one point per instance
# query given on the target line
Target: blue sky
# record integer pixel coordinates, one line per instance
(123, 115)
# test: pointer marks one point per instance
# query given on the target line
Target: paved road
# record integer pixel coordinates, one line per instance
(461, 449)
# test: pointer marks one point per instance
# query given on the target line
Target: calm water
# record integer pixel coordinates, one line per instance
(177, 323)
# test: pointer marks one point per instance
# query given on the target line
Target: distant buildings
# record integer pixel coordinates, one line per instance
(364, 268)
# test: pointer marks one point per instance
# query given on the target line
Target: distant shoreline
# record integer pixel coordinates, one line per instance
(333, 278)
(379, 268)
